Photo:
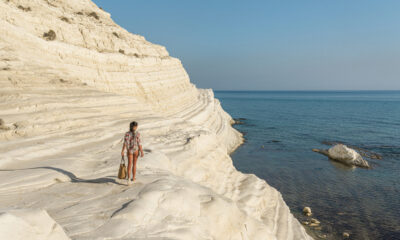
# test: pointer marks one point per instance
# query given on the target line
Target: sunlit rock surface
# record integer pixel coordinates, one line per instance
(345, 155)
(71, 81)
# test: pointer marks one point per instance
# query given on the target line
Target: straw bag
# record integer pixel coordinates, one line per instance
(122, 169)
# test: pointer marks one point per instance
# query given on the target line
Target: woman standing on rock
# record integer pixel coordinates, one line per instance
(133, 146)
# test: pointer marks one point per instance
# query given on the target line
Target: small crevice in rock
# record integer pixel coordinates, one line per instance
(94, 14)
(50, 35)
(20, 124)
(3, 125)
(116, 34)
(50, 4)
(25, 9)
(65, 19)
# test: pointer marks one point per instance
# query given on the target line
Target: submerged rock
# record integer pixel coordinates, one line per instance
(238, 121)
(313, 220)
(345, 155)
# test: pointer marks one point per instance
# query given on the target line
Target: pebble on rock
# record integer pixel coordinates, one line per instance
(346, 234)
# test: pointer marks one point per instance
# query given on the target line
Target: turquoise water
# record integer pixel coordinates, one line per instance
(282, 127)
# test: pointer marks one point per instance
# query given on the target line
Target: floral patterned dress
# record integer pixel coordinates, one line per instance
(132, 141)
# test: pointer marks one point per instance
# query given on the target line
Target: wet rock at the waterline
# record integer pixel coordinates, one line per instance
(314, 223)
(238, 121)
(343, 154)
(307, 211)
(313, 220)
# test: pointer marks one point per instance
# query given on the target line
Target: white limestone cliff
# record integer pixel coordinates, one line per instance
(71, 81)
(25, 224)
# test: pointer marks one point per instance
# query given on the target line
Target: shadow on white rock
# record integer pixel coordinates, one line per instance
(343, 154)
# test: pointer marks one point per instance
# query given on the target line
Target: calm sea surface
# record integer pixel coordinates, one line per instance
(282, 127)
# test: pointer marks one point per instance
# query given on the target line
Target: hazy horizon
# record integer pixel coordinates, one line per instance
(274, 45)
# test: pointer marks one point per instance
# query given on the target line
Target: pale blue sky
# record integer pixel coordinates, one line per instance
(276, 44)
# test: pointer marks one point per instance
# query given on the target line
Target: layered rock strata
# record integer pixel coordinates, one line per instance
(71, 81)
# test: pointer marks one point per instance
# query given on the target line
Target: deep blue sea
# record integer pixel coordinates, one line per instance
(281, 128)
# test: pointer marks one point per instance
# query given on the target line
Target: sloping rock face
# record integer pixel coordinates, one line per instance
(71, 81)
(29, 224)
(87, 49)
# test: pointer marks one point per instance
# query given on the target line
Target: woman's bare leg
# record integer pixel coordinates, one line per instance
(135, 157)
(130, 159)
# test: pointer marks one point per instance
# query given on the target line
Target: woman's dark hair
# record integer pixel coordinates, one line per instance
(131, 125)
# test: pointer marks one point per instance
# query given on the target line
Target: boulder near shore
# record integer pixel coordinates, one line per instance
(343, 154)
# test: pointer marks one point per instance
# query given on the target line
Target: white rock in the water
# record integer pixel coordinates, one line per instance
(313, 220)
(314, 224)
(346, 235)
(346, 155)
(307, 211)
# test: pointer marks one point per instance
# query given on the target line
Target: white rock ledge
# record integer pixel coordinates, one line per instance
(65, 105)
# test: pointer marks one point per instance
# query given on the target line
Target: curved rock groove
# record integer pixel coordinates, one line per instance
(65, 105)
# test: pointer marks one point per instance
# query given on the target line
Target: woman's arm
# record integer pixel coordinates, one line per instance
(123, 150)
(141, 151)
(139, 142)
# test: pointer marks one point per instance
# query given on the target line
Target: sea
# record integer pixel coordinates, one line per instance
(282, 127)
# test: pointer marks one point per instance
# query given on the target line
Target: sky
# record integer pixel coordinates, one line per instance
(273, 44)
